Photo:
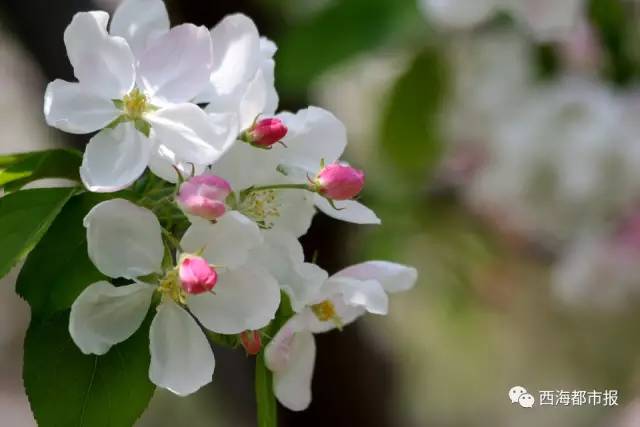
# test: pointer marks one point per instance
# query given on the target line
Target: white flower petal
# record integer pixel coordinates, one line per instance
(345, 313)
(163, 160)
(292, 385)
(257, 100)
(258, 166)
(236, 47)
(392, 276)
(102, 63)
(296, 211)
(245, 299)
(181, 357)
(268, 48)
(314, 134)
(282, 255)
(138, 20)
(191, 134)
(227, 242)
(175, 67)
(114, 159)
(104, 315)
(124, 240)
(368, 294)
(348, 210)
(72, 108)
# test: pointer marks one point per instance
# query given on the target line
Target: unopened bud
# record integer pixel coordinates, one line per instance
(196, 275)
(339, 182)
(204, 196)
(266, 132)
(251, 341)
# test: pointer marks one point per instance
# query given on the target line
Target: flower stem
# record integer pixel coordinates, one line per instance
(279, 187)
(266, 400)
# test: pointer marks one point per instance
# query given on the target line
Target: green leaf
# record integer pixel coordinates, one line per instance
(16, 170)
(59, 268)
(68, 388)
(265, 399)
(410, 134)
(336, 33)
(24, 218)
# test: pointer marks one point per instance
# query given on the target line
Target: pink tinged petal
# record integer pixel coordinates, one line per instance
(348, 210)
(191, 134)
(392, 276)
(181, 357)
(72, 108)
(103, 64)
(104, 315)
(204, 196)
(226, 243)
(266, 132)
(137, 21)
(196, 275)
(176, 66)
(314, 134)
(340, 182)
(245, 299)
(114, 159)
(292, 385)
(251, 341)
(124, 240)
(236, 47)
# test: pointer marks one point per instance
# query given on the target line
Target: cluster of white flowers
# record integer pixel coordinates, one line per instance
(545, 19)
(248, 181)
(555, 161)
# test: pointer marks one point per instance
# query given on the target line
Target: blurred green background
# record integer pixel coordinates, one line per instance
(504, 162)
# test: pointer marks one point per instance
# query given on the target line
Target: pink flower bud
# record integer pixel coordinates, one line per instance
(266, 132)
(196, 275)
(251, 341)
(204, 196)
(339, 182)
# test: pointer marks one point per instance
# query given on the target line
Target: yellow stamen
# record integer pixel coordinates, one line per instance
(261, 206)
(326, 311)
(170, 287)
(134, 104)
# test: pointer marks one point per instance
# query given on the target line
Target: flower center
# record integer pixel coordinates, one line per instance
(261, 206)
(325, 311)
(134, 104)
(170, 287)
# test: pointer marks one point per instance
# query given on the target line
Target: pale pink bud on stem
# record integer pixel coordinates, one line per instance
(266, 132)
(204, 196)
(196, 275)
(339, 182)
(251, 341)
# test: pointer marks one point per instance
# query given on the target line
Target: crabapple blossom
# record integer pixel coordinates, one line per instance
(340, 300)
(265, 132)
(141, 103)
(251, 342)
(196, 275)
(124, 240)
(339, 181)
(204, 196)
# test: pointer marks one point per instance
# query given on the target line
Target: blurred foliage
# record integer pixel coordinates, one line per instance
(620, 34)
(338, 32)
(410, 133)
